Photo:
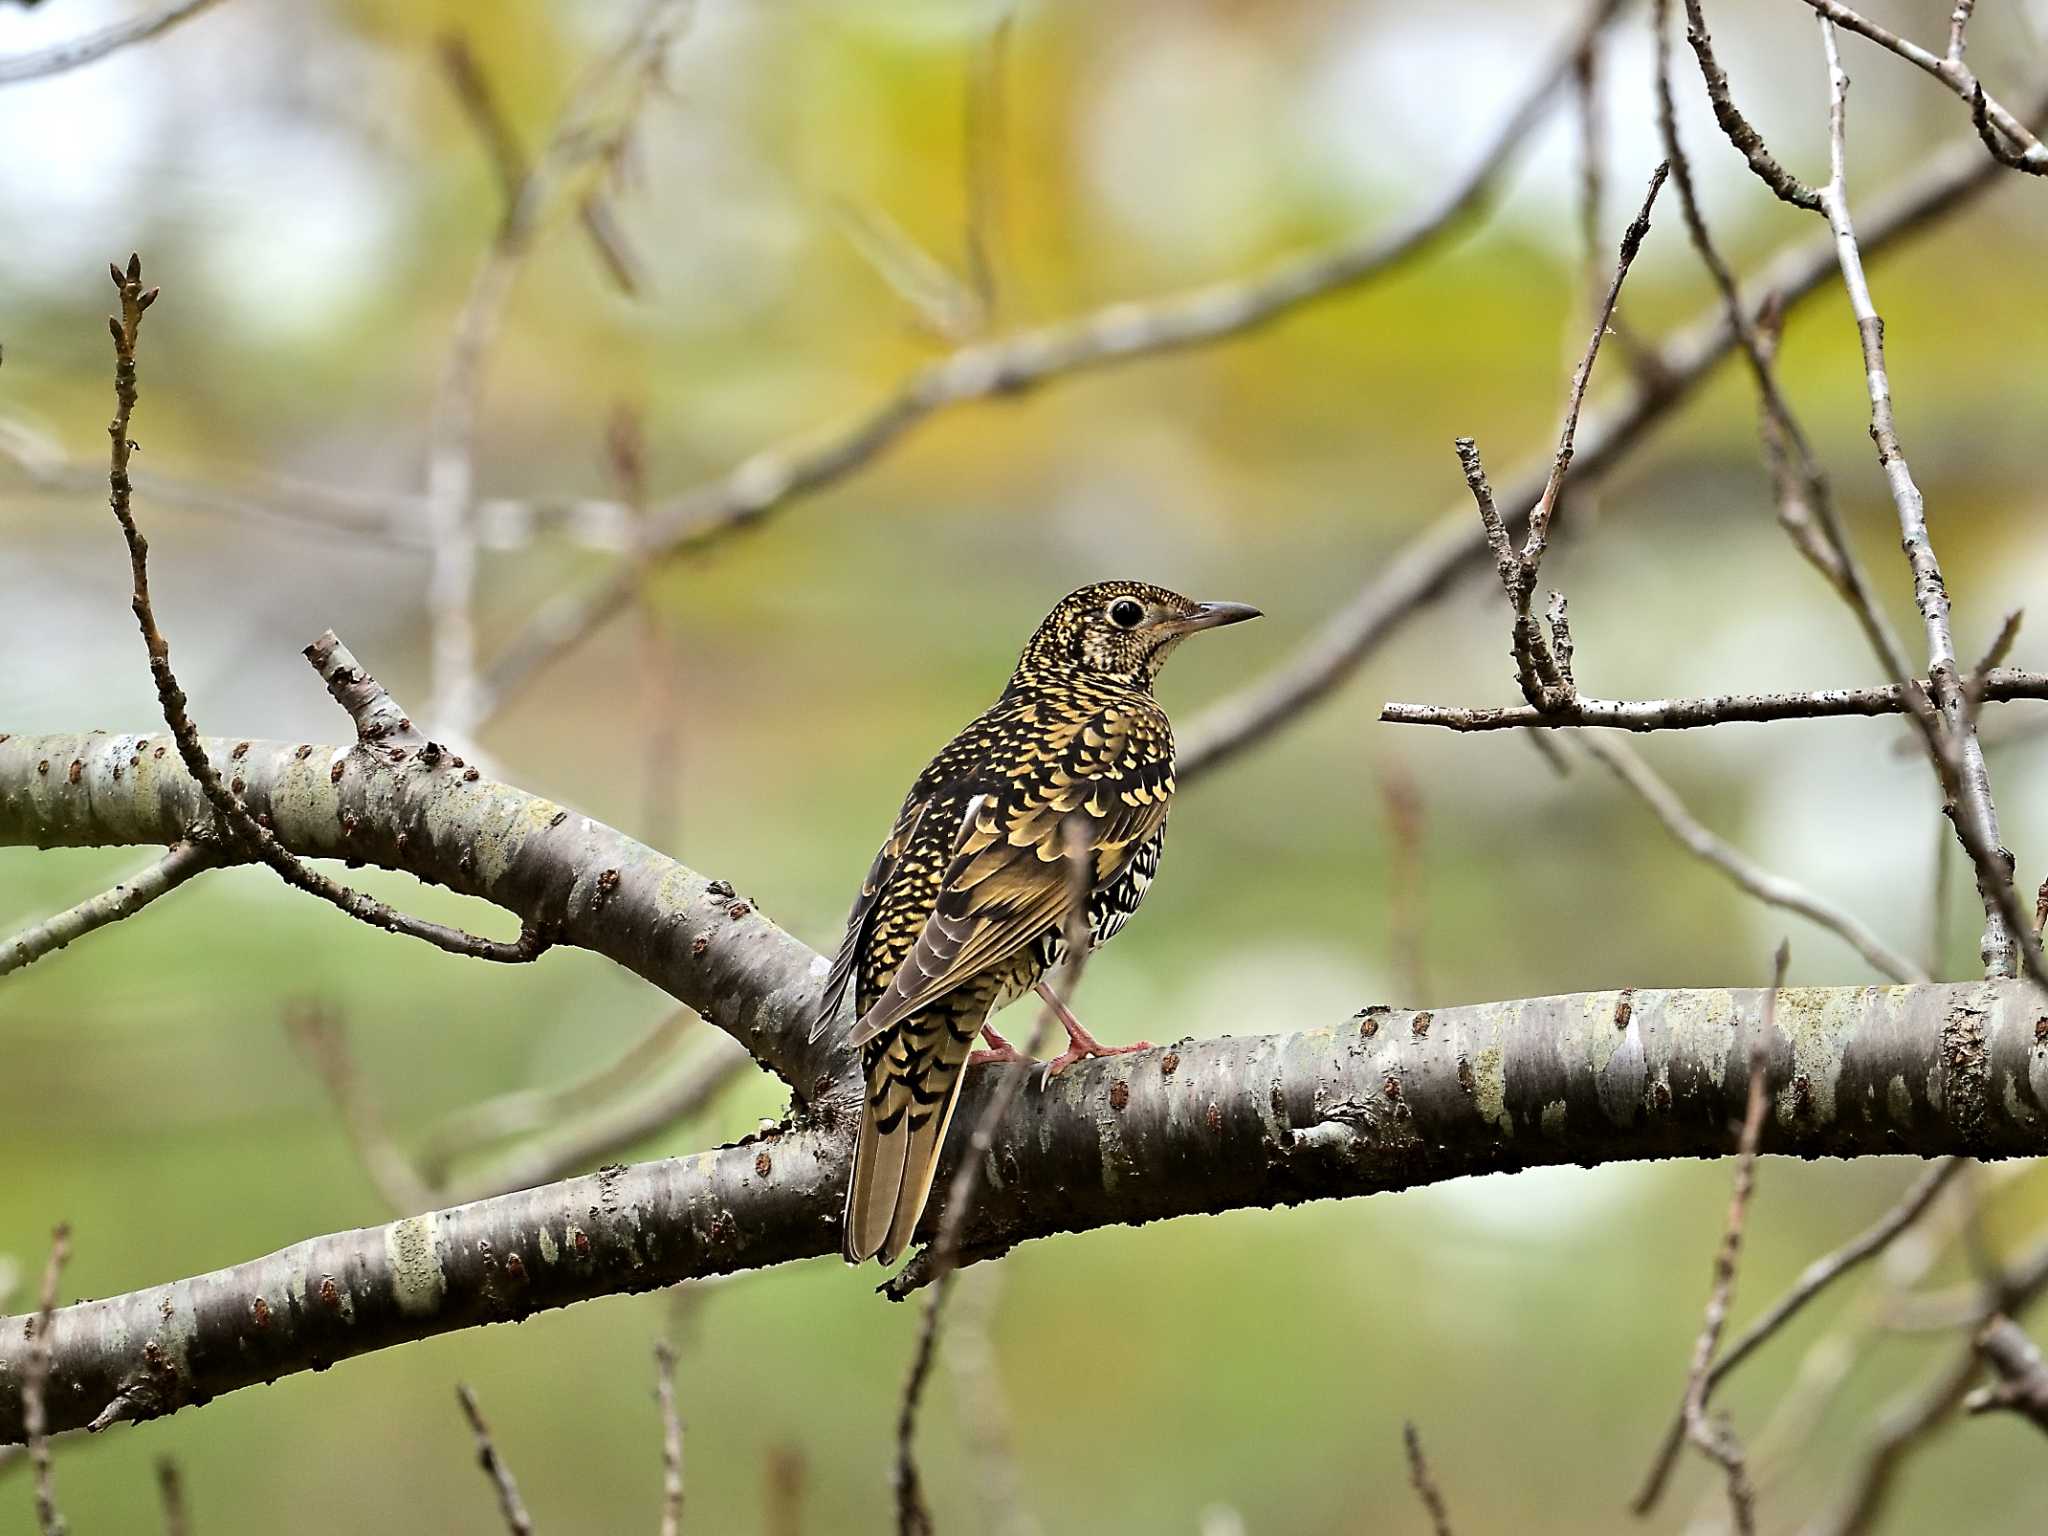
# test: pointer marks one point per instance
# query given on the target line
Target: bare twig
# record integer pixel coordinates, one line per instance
(170, 1492)
(510, 1506)
(1424, 569)
(1619, 758)
(671, 1440)
(1904, 1425)
(1424, 1483)
(60, 57)
(2022, 149)
(379, 719)
(913, 1518)
(1815, 1278)
(1717, 1437)
(1025, 359)
(1958, 25)
(983, 1404)
(451, 468)
(526, 1110)
(2002, 685)
(1536, 540)
(785, 1472)
(1951, 733)
(35, 1419)
(480, 106)
(244, 832)
(2022, 1386)
(612, 1129)
(1407, 903)
(626, 449)
(1806, 504)
(162, 876)
(985, 121)
(319, 1033)
(1738, 128)
(1543, 666)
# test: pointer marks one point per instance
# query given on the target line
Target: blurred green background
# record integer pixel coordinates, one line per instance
(313, 202)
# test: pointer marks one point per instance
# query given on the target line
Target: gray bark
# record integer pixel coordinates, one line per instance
(413, 809)
(1386, 1100)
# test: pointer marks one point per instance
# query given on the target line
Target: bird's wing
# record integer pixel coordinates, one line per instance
(862, 916)
(1099, 791)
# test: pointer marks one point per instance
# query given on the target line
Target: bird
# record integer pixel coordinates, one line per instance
(1046, 811)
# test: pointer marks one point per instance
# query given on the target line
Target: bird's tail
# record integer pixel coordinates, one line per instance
(902, 1131)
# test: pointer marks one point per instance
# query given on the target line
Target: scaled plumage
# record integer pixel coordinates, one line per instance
(1057, 792)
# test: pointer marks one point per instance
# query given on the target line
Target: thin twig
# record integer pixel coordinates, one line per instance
(1543, 667)
(1717, 1438)
(1806, 503)
(59, 57)
(1773, 889)
(1951, 734)
(451, 466)
(34, 1410)
(162, 876)
(671, 1440)
(1814, 1279)
(526, 1110)
(982, 1403)
(2002, 685)
(913, 1518)
(2022, 1386)
(1741, 133)
(626, 450)
(319, 1033)
(1023, 360)
(170, 1493)
(1904, 1425)
(1537, 538)
(2022, 150)
(1424, 1482)
(510, 1506)
(1407, 902)
(985, 121)
(615, 1127)
(244, 832)
(1423, 569)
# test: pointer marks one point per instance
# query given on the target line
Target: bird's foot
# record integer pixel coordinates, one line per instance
(999, 1049)
(1081, 1045)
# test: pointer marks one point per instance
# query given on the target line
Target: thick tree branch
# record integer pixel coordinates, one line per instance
(414, 810)
(1384, 1101)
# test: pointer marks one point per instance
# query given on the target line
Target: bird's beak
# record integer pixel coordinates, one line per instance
(1212, 616)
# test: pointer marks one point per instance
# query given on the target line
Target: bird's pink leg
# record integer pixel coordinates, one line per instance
(1080, 1044)
(999, 1049)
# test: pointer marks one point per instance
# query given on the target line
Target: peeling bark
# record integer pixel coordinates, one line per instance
(1386, 1100)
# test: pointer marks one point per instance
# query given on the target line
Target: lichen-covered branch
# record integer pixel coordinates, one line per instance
(1385, 1100)
(415, 810)
(180, 863)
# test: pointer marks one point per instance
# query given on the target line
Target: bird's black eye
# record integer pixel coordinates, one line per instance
(1125, 612)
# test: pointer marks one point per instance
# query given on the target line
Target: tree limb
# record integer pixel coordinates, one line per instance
(1384, 1101)
(413, 810)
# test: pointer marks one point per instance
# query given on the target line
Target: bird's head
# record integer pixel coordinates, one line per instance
(1122, 630)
